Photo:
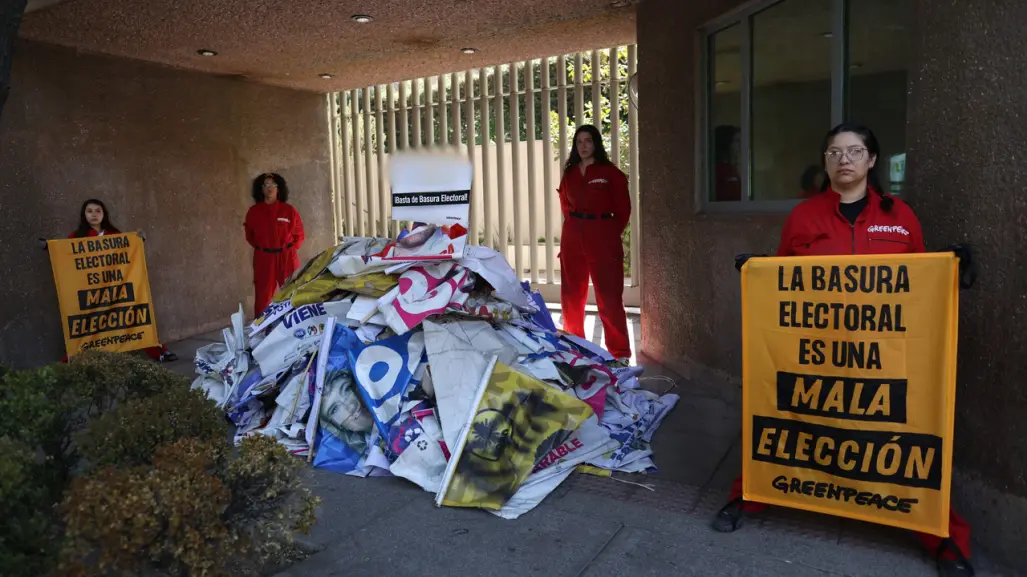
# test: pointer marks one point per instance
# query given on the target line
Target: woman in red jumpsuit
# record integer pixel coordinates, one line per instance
(852, 215)
(275, 231)
(94, 220)
(596, 208)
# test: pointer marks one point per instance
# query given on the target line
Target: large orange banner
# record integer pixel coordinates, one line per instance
(104, 293)
(849, 368)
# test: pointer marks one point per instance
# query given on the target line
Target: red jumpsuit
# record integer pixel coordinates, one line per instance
(275, 231)
(596, 208)
(817, 228)
(152, 352)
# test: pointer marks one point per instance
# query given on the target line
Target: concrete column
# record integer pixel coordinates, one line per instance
(967, 134)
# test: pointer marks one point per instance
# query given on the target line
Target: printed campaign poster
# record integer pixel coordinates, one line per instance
(431, 187)
(104, 293)
(849, 368)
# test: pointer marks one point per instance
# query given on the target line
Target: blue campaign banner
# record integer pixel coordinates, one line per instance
(384, 373)
(339, 448)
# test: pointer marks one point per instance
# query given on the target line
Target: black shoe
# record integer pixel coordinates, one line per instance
(729, 519)
(954, 568)
(958, 567)
(167, 357)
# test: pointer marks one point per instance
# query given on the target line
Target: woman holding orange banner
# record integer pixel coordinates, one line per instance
(94, 220)
(853, 215)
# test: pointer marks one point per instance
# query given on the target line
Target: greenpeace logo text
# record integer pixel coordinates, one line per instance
(896, 229)
(598, 181)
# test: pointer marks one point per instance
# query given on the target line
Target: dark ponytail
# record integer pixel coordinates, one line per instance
(873, 149)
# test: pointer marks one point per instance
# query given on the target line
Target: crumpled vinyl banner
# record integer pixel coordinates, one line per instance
(512, 417)
(415, 455)
(546, 341)
(423, 292)
(299, 333)
(360, 255)
(313, 269)
(222, 367)
(334, 382)
(493, 267)
(384, 371)
(323, 287)
(588, 442)
(587, 347)
(588, 378)
(344, 425)
(457, 360)
(291, 404)
(428, 242)
(541, 316)
(345, 454)
(252, 385)
(632, 417)
(489, 309)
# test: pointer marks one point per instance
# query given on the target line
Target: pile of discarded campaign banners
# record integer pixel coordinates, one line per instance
(426, 358)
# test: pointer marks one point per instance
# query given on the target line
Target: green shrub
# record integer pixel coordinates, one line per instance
(44, 408)
(27, 536)
(131, 433)
(194, 512)
(41, 412)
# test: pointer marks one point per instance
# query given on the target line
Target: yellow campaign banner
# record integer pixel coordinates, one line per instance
(104, 293)
(848, 386)
(516, 420)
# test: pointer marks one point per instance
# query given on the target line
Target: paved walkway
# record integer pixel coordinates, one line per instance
(600, 526)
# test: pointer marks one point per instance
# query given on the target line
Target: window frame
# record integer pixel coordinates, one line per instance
(743, 16)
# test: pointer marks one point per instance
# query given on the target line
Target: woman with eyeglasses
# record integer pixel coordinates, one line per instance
(853, 215)
(275, 231)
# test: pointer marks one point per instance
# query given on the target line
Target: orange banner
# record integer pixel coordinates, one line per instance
(104, 293)
(849, 372)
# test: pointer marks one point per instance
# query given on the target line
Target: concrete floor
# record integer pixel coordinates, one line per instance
(600, 526)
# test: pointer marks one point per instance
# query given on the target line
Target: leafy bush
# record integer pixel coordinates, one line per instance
(27, 538)
(130, 434)
(194, 512)
(44, 408)
(41, 412)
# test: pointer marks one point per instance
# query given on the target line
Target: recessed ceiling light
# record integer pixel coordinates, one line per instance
(468, 50)
(828, 35)
(325, 75)
(361, 18)
(206, 52)
(721, 82)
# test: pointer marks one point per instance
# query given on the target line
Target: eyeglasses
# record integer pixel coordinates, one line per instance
(270, 185)
(855, 154)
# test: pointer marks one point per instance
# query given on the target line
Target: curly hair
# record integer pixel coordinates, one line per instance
(258, 187)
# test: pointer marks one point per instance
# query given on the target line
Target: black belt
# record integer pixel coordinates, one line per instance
(587, 216)
(275, 250)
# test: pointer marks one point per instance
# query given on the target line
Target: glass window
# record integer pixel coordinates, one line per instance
(878, 76)
(781, 74)
(725, 115)
(791, 96)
